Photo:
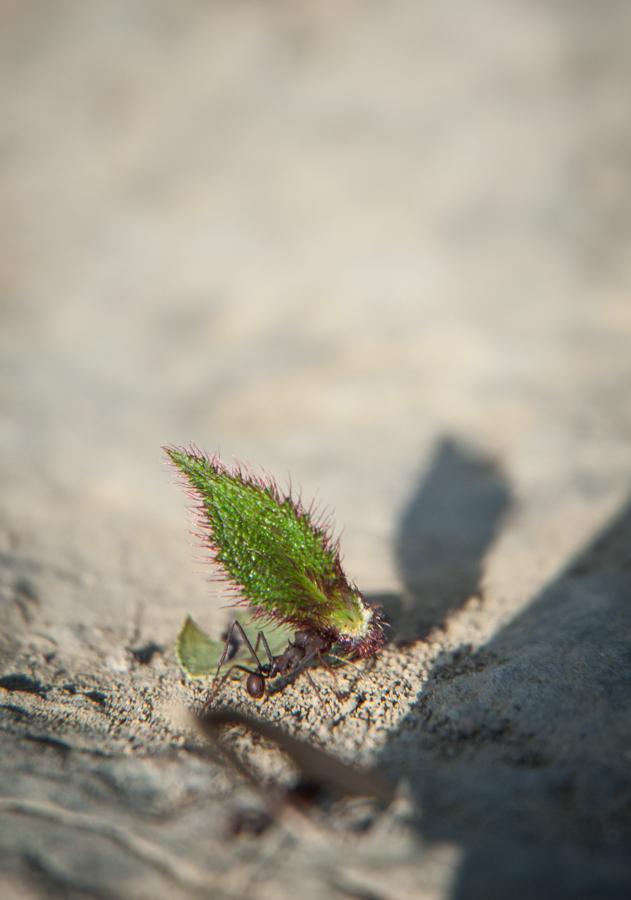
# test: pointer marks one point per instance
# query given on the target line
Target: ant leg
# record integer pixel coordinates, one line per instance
(302, 666)
(243, 669)
(325, 664)
(313, 685)
(246, 640)
(331, 670)
(218, 683)
(236, 625)
(323, 701)
(262, 637)
(344, 660)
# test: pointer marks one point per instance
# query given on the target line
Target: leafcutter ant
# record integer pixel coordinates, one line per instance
(305, 647)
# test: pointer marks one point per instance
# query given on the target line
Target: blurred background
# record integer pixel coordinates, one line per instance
(321, 238)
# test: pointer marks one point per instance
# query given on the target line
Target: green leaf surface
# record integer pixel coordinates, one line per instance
(268, 546)
(197, 653)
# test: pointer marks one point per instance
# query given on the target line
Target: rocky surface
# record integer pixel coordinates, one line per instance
(383, 248)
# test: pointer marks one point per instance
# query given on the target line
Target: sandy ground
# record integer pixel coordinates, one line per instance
(381, 247)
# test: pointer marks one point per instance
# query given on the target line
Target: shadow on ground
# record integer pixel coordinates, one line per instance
(444, 533)
(520, 752)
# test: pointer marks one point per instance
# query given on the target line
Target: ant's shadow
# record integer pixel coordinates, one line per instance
(444, 533)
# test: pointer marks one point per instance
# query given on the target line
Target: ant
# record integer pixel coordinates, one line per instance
(306, 646)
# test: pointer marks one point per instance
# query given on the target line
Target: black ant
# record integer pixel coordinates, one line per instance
(305, 647)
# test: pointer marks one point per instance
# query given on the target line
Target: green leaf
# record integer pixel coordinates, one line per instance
(196, 652)
(268, 547)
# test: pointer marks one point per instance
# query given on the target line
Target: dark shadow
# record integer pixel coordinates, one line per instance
(520, 752)
(444, 533)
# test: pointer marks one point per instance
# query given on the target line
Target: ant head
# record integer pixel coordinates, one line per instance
(255, 684)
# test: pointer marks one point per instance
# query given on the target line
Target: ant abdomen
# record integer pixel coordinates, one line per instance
(255, 685)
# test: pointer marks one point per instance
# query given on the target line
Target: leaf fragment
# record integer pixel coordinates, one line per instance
(196, 652)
